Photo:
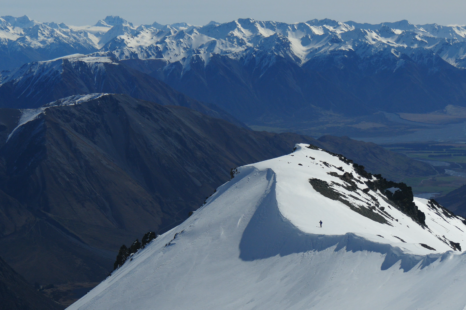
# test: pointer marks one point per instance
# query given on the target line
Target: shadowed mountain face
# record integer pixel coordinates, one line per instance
(455, 201)
(17, 294)
(78, 181)
(39, 83)
(283, 93)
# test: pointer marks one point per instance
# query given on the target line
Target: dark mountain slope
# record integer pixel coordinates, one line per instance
(17, 294)
(92, 176)
(282, 93)
(455, 201)
(384, 82)
(36, 84)
(77, 181)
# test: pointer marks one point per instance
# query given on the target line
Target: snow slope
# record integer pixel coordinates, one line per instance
(257, 244)
(27, 115)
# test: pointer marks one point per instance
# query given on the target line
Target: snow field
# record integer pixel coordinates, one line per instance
(255, 244)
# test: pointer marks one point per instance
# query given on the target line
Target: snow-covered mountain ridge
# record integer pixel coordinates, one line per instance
(257, 244)
(51, 69)
(249, 39)
(23, 40)
(43, 69)
(245, 39)
(328, 187)
(30, 40)
(269, 74)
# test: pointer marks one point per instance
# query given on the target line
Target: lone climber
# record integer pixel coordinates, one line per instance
(320, 224)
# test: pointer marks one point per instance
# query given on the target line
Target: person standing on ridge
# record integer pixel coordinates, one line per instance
(320, 224)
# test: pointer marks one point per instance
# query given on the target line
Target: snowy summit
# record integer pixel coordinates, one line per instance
(257, 243)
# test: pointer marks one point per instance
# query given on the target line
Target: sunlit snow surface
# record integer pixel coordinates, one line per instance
(244, 39)
(257, 244)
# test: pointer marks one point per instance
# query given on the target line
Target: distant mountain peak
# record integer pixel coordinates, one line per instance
(20, 22)
(112, 20)
(180, 26)
(157, 25)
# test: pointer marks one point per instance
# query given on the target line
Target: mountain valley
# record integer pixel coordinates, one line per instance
(113, 130)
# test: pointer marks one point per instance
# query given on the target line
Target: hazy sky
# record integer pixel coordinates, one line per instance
(199, 12)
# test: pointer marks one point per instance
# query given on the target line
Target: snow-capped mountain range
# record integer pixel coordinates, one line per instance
(263, 73)
(257, 244)
(247, 39)
(242, 38)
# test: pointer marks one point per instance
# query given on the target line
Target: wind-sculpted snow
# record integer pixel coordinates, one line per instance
(304, 206)
(269, 234)
(257, 244)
